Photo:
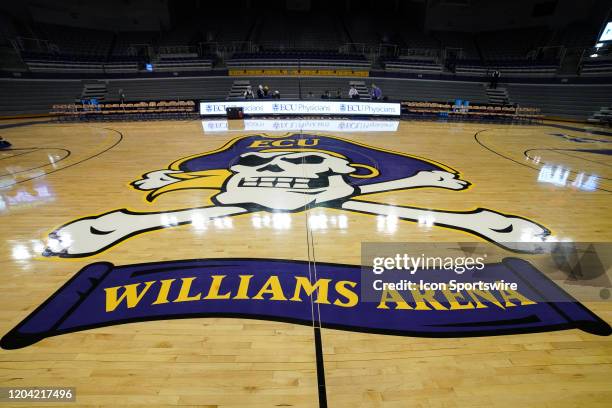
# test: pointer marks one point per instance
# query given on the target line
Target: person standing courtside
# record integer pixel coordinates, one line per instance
(494, 79)
(376, 93)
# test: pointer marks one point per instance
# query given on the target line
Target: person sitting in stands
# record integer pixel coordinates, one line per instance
(326, 95)
(353, 92)
(266, 91)
(338, 94)
(376, 93)
(276, 95)
(248, 93)
(260, 92)
(310, 95)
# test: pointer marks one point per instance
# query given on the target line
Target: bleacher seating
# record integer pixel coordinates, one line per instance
(603, 116)
(458, 40)
(128, 44)
(210, 88)
(469, 112)
(183, 63)
(411, 65)
(76, 41)
(417, 39)
(144, 110)
(511, 44)
(597, 67)
(43, 62)
(564, 101)
(18, 97)
(508, 68)
(288, 32)
(297, 59)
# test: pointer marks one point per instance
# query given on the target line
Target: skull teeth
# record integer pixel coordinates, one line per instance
(276, 182)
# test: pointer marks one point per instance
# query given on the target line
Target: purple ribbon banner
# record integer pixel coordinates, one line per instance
(102, 294)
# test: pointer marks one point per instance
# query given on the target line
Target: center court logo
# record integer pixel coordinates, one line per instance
(292, 173)
(285, 174)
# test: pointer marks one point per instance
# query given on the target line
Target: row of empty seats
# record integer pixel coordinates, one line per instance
(595, 67)
(472, 112)
(302, 59)
(565, 101)
(125, 111)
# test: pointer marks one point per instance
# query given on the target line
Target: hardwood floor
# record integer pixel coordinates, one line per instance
(558, 178)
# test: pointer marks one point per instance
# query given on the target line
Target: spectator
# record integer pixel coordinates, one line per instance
(276, 94)
(248, 93)
(376, 93)
(494, 79)
(121, 96)
(260, 92)
(326, 95)
(310, 95)
(353, 92)
(338, 94)
(266, 91)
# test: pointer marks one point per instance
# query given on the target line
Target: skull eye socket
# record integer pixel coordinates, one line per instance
(253, 160)
(310, 159)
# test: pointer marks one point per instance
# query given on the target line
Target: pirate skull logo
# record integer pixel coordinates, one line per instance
(286, 181)
(292, 173)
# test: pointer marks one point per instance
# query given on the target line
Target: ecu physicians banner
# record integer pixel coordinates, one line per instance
(279, 107)
(102, 294)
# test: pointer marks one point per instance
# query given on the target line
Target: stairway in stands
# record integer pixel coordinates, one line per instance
(93, 90)
(364, 92)
(498, 96)
(603, 115)
(237, 90)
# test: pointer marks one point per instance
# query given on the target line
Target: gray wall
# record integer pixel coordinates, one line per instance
(569, 101)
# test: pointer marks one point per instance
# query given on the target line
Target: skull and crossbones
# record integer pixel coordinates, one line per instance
(291, 181)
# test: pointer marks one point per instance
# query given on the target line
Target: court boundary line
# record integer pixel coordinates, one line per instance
(78, 162)
(37, 149)
(511, 159)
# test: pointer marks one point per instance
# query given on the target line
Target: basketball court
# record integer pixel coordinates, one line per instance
(552, 176)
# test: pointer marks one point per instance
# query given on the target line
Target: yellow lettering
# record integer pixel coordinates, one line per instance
(183, 295)
(260, 143)
(421, 300)
(164, 290)
(394, 296)
(282, 143)
(486, 295)
(321, 285)
(351, 297)
(243, 287)
(272, 287)
(213, 292)
(454, 298)
(130, 294)
(509, 294)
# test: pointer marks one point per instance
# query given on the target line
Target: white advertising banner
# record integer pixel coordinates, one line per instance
(320, 125)
(276, 107)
